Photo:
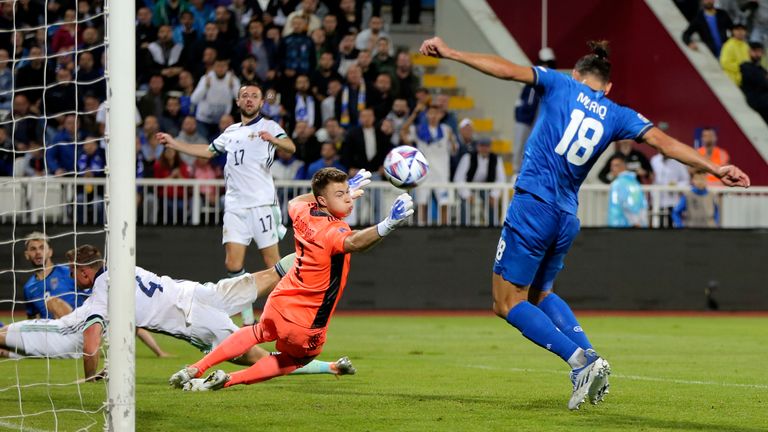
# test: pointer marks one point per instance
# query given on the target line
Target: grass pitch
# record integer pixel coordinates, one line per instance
(447, 373)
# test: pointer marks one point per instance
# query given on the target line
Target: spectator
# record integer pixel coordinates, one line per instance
(186, 88)
(89, 78)
(88, 113)
(698, 207)
(228, 31)
(481, 166)
(711, 151)
(172, 198)
(7, 155)
(186, 34)
(151, 149)
(759, 15)
(466, 143)
(635, 161)
(202, 12)
(241, 15)
(366, 40)
(307, 10)
(61, 156)
(248, 70)
(332, 36)
(627, 206)
(153, 102)
(189, 135)
(286, 167)
(318, 38)
(64, 37)
(25, 127)
(168, 12)
(437, 143)
(170, 121)
(146, 32)
(711, 25)
(414, 11)
(735, 51)
(202, 169)
(406, 81)
(347, 54)
(91, 163)
(322, 75)
(60, 97)
(33, 77)
(28, 13)
(328, 158)
(34, 160)
(206, 63)
(382, 57)
(307, 145)
(353, 98)
(525, 111)
(297, 51)
(668, 172)
(754, 80)
(348, 22)
(365, 146)
(332, 132)
(6, 81)
(214, 96)
(167, 57)
(328, 106)
(262, 49)
(93, 43)
(365, 61)
(447, 117)
(211, 39)
(381, 97)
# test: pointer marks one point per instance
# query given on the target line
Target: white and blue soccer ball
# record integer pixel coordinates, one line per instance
(405, 167)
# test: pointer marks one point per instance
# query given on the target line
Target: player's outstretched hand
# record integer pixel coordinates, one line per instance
(266, 136)
(434, 47)
(401, 210)
(358, 182)
(731, 175)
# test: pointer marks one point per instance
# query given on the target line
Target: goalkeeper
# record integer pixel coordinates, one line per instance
(297, 312)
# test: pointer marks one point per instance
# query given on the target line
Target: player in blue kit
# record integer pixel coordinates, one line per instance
(575, 125)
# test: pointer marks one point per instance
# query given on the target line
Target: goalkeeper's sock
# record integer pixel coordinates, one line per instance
(247, 313)
(235, 345)
(315, 367)
(285, 264)
(266, 368)
(561, 314)
(539, 329)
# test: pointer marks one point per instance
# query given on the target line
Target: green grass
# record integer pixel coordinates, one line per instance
(448, 374)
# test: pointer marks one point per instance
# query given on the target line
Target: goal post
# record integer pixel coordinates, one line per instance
(121, 213)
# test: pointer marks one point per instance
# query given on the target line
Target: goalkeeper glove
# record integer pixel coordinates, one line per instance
(357, 182)
(401, 210)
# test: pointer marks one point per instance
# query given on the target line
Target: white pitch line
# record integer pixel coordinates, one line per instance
(630, 377)
(15, 426)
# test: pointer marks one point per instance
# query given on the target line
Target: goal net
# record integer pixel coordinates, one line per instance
(59, 132)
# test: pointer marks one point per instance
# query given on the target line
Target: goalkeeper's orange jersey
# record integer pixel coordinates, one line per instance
(309, 292)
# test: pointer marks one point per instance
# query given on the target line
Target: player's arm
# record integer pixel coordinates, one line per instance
(284, 143)
(365, 239)
(57, 307)
(198, 150)
(489, 64)
(146, 337)
(92, 351)
(730, 175)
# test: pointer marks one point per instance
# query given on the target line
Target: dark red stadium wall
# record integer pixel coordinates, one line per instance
(650, 73)
(435, 268)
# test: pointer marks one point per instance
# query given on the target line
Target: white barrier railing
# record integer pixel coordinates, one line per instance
(30, 200)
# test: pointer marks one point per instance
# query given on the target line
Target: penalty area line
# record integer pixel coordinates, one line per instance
(630, 377)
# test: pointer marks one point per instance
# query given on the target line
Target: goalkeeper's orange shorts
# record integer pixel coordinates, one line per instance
(291, 339)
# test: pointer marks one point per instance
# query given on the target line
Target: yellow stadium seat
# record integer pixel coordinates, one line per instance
(483, 125)
(424, 61)
(508, 168)
(461, 103)
(501, 146)
(438, 81)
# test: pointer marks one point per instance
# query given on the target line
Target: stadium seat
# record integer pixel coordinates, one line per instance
(438, 81)
(501, 146)
(482, 125)
(424, 61)
(461, 103)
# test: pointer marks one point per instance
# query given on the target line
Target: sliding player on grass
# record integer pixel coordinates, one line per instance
(575, 125)
(299, 309)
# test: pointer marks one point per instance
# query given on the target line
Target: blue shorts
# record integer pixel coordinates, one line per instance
(534, 241)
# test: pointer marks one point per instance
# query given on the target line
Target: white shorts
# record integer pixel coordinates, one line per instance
(208, 326)
(261, 224)
(230, 295)
(44, 338)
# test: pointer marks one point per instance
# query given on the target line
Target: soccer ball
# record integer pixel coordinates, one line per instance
(405, 167)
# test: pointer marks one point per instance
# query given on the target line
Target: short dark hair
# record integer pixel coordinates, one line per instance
(619, 157)
(86, 255)
(250, 84)
(596, 63)
(322, 178)
(756, 45)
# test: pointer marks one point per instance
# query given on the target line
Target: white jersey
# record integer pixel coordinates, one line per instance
(437, 152)
(249, 158)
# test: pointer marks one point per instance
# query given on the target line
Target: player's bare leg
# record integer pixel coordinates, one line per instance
(271, 255)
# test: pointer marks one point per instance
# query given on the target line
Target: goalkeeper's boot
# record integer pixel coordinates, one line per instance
(215, 381)
(590, 380)
(182, 377)
(343, 366)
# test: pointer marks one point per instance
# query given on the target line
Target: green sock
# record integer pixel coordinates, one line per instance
(314, 367)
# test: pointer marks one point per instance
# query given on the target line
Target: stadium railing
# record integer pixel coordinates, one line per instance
(27, 200)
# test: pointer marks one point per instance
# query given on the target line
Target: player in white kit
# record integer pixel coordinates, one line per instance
(251, 210)
(191, 311)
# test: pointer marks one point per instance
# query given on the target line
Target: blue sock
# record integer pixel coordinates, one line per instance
(538, 328)
(561, 314)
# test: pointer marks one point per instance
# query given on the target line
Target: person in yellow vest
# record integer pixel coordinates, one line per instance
(735, 51)
(711, 151)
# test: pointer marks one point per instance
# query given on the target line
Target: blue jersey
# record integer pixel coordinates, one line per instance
(57, 284)
(575, 125)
